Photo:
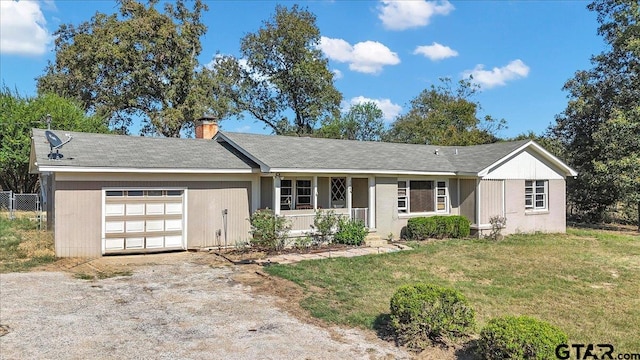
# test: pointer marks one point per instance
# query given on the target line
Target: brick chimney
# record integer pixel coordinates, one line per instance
(206, 127)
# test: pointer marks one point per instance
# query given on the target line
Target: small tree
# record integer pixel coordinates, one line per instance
(325, 225)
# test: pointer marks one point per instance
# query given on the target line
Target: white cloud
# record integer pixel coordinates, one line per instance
(366, 57)
(337, 74)
(435, 51)
(389, 110)
(498, 76)
(401, 15)
(23, 28)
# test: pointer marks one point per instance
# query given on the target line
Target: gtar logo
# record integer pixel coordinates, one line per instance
(585, 351)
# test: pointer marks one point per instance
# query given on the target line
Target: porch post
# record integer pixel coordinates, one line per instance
(315, 192)
(349, 191)
(372, 202)
(255, 192)
(276, 194)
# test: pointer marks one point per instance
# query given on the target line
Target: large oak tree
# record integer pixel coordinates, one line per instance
(282, 78)
(140, 63)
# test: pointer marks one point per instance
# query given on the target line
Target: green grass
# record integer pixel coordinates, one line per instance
(587, 282)
(22, 247)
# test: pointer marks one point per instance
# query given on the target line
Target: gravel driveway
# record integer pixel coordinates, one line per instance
(179, 310)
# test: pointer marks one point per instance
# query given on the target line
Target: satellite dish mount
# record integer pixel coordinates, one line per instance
(55, 144)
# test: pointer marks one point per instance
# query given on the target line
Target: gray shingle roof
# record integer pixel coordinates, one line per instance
(285, 152)
(113, 151)
(276, 152)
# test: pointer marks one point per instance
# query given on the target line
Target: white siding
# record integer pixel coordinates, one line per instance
(525, 165)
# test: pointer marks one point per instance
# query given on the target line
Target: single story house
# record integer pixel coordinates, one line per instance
(113, 194)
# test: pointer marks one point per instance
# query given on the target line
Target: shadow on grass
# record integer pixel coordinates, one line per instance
(382, 326)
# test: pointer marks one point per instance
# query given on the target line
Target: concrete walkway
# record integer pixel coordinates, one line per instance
(359, 251)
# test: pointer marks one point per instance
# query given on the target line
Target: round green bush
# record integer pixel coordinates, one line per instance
(423, 314)
(522, 337)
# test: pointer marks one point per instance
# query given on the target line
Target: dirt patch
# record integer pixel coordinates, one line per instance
(183, 305)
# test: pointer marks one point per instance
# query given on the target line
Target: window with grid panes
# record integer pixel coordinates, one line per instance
(535, 194)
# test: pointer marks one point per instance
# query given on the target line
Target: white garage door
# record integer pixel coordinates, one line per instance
(142, 220)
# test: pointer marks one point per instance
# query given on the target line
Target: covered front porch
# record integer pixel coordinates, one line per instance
(299, 196)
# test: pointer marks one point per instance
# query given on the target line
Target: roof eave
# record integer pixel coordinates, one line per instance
(90, 169)
(361, 171)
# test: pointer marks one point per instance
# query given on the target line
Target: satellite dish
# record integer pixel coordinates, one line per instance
(55, 144)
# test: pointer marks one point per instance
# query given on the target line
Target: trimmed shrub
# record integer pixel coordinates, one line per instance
(522, 337)
(421, 228)
(325, 224)
(350, 232)
(269, 230)
(424, 314)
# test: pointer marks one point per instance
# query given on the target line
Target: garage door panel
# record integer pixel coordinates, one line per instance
(114, 244)
(135, 243)
(173, 241)
(114, 209)
(154, 242)
(111, 227)
(135, 226)
(173, 208)
(155, 225)
(173, 225)
(155, 209)
(135, 209)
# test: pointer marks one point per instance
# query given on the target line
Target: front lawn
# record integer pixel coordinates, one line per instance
(587, 282)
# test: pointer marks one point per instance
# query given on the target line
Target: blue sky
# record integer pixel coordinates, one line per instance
(520, 52)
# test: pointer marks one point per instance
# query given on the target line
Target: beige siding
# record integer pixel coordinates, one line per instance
(360, 192)
(266, 192)
(78, 221)
(468, 199)
(80, 203)
(205, 217)
(491, 199)
(323, 192)
(519, 220)
(453, 197)
(387, 206)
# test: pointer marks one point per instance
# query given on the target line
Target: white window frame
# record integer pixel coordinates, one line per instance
(289, 196)
(536, 195)
(406, 210)
(338, 203)
(297, 196)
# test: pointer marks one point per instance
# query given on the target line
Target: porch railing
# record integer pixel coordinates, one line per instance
(301, 220)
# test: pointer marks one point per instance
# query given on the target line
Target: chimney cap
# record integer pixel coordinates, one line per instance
(207, 118)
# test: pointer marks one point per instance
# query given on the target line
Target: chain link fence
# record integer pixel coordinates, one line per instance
(21, 206)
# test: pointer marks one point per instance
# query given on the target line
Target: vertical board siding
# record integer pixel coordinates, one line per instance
(468, 199)
(453, 197)
(78, 212)
(360, 192)
(205, 218)
(78, 227)
(266, 192)
(491, 199)
(323, 192)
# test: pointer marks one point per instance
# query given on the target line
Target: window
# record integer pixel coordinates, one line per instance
(338, 192)
(286, 195)
(535, 194)
(422, 196)
(303, 193)
(402, 197)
